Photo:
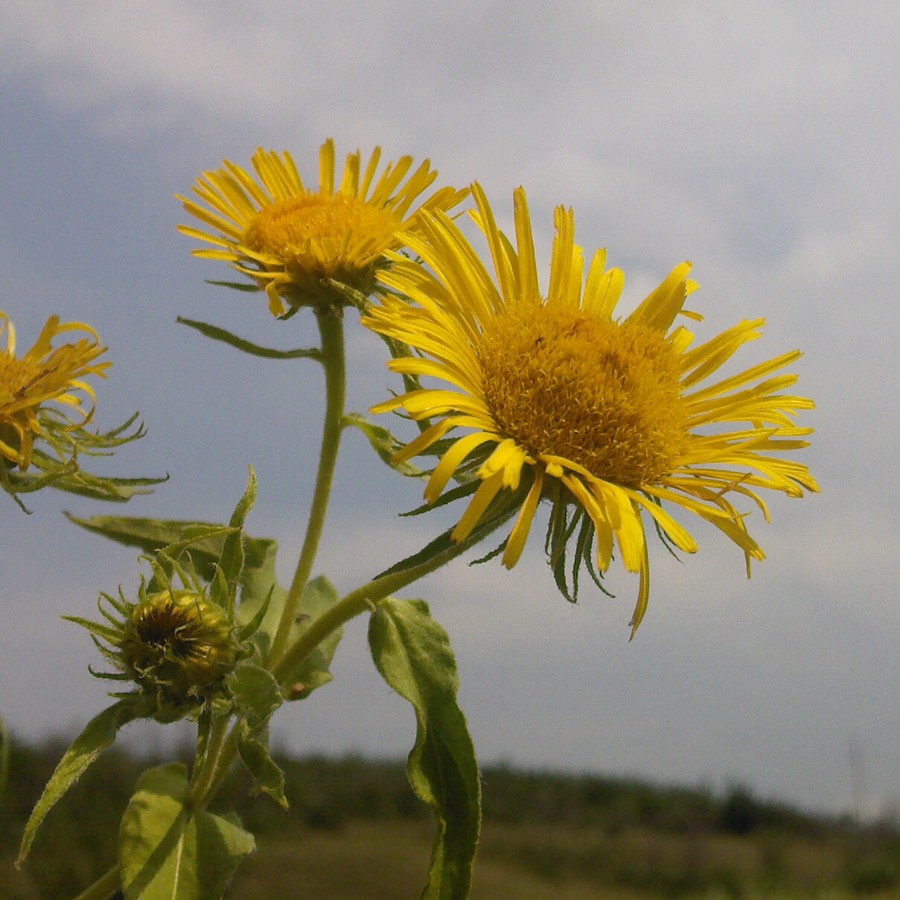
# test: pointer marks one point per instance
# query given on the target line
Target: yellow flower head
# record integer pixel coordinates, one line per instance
(44, 375)
(295, 242)
(606, 417)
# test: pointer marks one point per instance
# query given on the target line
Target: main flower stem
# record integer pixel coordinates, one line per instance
(331, 330)
(199, 790)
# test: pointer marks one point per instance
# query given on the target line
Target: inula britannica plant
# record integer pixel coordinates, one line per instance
(524, 399)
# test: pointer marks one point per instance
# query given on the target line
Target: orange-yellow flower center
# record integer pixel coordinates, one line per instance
(16, 375)
(322, 234)
(601, 394)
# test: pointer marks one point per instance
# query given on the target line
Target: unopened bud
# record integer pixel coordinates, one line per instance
(178, 644)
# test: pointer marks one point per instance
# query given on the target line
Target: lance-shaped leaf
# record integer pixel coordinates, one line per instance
(262, 597)
(413, 654)
(443, 546)
(239, 343)
(258, 696)
(243, 286)
(98, 734)
(382, 442)
(151, 535)
(231, 562)
(206, 539)
(168, 851)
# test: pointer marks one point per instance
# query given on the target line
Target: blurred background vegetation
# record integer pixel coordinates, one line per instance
(355, 830)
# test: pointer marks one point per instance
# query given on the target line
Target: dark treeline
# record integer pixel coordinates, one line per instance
(78, 839)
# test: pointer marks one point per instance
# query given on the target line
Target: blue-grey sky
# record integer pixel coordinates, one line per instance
(759, 140)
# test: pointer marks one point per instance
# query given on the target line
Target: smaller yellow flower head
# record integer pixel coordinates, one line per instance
(295, 241)
(44, 375)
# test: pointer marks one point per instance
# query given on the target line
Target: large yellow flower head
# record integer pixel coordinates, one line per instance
(45, 375)
(297, 242)
(606, 417)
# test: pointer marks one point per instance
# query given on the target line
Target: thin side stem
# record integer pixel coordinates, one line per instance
(367, 596)
(226, 758)
(331, 329)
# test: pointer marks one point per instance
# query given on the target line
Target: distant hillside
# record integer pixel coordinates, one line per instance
(355, 830)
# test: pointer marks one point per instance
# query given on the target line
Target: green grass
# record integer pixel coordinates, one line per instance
(355, 830)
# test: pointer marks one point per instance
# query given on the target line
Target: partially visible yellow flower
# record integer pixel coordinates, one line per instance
(605, 417)
(44, 375)
(293, 240)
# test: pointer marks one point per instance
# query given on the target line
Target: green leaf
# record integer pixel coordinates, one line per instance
(319, 595)
(226, 337)
(231, 562)
(258, 696)
(258, 579)
(447, 497)
(152, 535)
(259, 586)
(413, 654)
(383, 443)
(248, 629)
(98, 734)
(167, 853)
(254, 752)
(247, 287)
(257, 693)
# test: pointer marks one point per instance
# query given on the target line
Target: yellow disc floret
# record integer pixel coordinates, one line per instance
(604, 395)
(319, 236)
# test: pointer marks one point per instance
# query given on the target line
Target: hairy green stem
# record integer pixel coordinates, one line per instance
(213, 760)
(367, 596)
(331, 329)
(226, 758)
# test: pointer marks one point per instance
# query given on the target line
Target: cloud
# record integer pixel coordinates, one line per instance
(756, 141)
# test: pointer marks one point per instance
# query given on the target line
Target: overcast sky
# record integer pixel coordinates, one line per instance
(759, 140)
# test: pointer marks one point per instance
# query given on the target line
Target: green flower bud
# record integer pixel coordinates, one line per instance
(178, 645)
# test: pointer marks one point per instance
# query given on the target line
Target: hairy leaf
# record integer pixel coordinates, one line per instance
(258, 580)
(168, 852)
(258, 695)
(231, 563)
(383, 443)
(413, 654)
(98, 734)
